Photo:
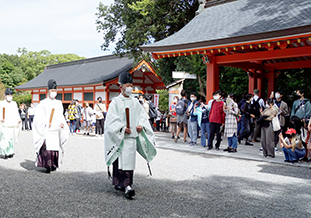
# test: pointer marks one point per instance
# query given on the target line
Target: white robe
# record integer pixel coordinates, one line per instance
(11, 126)
(55, 137)
(123, 146)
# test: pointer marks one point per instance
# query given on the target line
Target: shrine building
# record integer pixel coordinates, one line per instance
(260, 36)
(88, 79)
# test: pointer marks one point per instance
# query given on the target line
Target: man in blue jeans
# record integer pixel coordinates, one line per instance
(193, 120)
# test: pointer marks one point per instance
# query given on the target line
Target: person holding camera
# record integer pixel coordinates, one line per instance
(292, 146)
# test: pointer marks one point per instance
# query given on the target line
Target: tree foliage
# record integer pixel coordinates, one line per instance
(163, 99)
(18, 69)
(134, 23)
(33, 63)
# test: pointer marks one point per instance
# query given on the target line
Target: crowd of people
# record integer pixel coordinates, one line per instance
(253, 119)
(85, 118)
(271, 122)
(130, 126)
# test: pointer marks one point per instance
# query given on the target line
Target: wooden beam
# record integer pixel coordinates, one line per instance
(289, 65)
(246, 65)
(264, 55)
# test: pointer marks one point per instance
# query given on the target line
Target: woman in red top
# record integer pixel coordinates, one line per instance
(173, 117)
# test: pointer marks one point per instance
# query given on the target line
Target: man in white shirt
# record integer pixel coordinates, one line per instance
(31, 114)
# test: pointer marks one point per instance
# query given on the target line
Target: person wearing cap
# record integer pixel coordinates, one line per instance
(122, 139)
(50, 131)
(10, 125)
(292, 146)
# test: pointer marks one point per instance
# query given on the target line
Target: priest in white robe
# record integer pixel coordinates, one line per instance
(121, 141)
(50, 131)
(10, 125)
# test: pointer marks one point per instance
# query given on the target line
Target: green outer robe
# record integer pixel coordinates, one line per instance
(115, 127)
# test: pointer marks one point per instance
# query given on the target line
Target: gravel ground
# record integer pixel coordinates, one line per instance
(183, 185)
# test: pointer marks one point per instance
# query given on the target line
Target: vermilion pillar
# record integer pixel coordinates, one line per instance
(252, 82)
(271, 82)
(212, 78)
(260, 83)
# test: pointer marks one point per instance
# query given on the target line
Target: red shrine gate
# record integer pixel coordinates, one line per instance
(258, 36)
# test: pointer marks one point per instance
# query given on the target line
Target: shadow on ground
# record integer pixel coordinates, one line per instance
(33, 193)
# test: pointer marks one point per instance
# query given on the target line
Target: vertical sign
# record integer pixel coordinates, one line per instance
(156, 100)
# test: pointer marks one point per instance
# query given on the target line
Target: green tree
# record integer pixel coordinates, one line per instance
(33, 63)
(163, 99)
(132, 23)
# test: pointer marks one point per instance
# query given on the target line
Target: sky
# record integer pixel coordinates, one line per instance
(59, 26)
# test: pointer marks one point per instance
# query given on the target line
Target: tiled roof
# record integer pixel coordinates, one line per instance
(239, 21)
(81, 72)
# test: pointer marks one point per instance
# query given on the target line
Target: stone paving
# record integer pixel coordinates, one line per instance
(186, 182)
(164, 140)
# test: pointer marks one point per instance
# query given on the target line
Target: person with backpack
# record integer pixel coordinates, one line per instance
(301, 107)
(257, 103)
(193, 119)
(182, 121)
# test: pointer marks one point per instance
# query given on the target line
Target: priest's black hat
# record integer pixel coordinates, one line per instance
(125, 77)
(52, 84)
(8, 91)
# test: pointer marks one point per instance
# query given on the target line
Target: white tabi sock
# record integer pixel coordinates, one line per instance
(128, 188)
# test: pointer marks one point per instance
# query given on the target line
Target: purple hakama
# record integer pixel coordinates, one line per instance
(121, 178)
(47, 159)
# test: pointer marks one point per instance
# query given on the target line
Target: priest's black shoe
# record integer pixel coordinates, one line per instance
(129, 194)
(119, 188)
(48, 170)
(53, 168)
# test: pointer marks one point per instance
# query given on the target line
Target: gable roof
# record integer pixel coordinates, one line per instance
(239, 21)
(81, 72)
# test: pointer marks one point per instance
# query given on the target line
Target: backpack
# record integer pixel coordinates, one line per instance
(152, 110)
(180, 107)
(256, 108)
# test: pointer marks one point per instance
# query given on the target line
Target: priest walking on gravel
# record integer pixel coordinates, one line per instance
(127, 130)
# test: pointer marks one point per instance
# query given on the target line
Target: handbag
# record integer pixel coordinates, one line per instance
(276, 124)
